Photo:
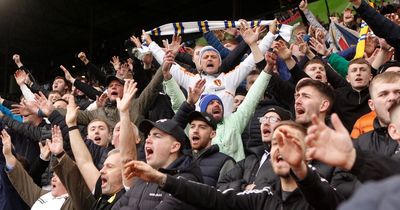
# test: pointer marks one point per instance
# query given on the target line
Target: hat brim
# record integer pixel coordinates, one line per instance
(146, 126)
(112, 78)
(197, 115)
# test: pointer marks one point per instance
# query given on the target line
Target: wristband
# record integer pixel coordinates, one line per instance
(40, 113)
(60, 155)
(73, 128)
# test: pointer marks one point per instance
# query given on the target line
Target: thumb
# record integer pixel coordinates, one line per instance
(337, 124)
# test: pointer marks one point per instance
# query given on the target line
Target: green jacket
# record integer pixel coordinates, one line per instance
(339, 63)
(229, 130)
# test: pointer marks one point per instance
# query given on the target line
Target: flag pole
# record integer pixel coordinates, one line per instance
(327, 11)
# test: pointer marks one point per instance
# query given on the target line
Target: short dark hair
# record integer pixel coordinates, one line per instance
(293, 124)
(324, 89)
(67, 83)
(313, 61)
(360, 61)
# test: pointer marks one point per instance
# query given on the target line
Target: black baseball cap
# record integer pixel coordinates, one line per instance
(203, 116)
(171, 127)
(112, 78)
(283, 113)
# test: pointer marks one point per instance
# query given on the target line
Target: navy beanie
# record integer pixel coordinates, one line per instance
(207, 99)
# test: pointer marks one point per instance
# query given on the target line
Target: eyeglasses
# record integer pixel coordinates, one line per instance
(270, 119)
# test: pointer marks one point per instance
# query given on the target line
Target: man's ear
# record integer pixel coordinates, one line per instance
(213, 134)
(324, 106)
(393, 132)
(175, 147)
(371, 104)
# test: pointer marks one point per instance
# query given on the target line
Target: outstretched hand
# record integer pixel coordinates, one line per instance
(101, 101)
(116, 63)
(130, 90)
(45, 105)
(195, 92)
(175, 44)
(333, 147)
(56, 144)
(7, 145)
(67, 75)
(142, 170)
(249, 35)
(136, 41)
(146, 37)
(72, 112)
(44, 151)
(82, 56)
(20, 77)
(169, 59)
(282, 50)
(303, 6)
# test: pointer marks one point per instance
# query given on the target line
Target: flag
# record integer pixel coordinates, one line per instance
(342, 37)
(205, 26)
(362, 38)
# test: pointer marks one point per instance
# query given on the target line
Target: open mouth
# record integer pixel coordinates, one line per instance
(300, 111)
(358, 79)
(97, 139)
(266, 131)
(195, 139)
(318, 77)
(114, 93)
(149, 152)
(216, 111)
(210, 65)
(103, 182)
(279, 159)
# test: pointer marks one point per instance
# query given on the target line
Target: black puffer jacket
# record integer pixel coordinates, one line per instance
(145, 195)
(245, 171)
(211, 162)
(376, 141)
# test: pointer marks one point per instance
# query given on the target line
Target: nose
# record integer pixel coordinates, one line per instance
(103, 170)
(394, 97)
(148, 140)
(297, 100)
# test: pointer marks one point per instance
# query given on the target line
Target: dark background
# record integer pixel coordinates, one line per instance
(47, 33)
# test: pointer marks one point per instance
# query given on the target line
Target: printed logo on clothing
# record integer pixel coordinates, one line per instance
(217, 82)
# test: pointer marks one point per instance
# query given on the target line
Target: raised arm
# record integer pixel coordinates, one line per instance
(317, 193)
(188, 106)
(19, 178)
(81, 153)
(128, 136)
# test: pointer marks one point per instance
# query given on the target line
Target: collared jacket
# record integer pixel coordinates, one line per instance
(248, 171)
(145, 195)
(213, 164)
(80, 194)
(28, 190)
(312, 193)
(376, 141)
(351, 105)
